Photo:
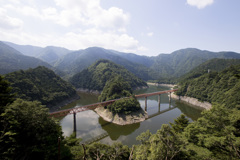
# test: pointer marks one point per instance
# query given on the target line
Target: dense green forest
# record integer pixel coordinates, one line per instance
(96, 76)
(182, 61)
(215, 87)
(27, 132)
(213, 65)
(40, 84)
(165, 67)
(118, 88)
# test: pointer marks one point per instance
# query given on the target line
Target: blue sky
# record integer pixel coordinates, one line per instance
(144, 27)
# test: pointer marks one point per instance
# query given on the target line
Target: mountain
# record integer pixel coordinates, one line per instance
(27, 50)
(49, 54)
(12, 60)
(96, 76)
(75, 62)
(215, 87)
(182, 61)
(213, 65)
(40, 84)
(163, 66)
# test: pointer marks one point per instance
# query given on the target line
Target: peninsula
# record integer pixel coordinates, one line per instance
(124, 111)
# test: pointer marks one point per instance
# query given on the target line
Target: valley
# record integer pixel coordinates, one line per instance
(53, 78)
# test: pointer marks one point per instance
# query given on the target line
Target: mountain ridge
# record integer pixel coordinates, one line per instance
(12, 60)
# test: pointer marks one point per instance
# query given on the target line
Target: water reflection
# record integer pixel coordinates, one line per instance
(90, 125)
(115, 131)
(193, 112)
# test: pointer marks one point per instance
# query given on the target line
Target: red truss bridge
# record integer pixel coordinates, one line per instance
(105, 103)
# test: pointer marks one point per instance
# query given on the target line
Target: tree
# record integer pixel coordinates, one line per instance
(165, 144)
(29, 133)
(115, 88)
(180, 124)
(215, 133)
(102, 151)
(5, 94)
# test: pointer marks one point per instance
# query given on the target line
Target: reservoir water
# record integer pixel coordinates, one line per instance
(90, 125)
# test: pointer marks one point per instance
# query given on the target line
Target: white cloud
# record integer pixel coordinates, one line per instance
(74, 24)
(200, 3)
(7, 22)
(150, 34)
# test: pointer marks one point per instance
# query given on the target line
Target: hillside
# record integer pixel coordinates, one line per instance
(182, 61)
(40, 84)
(164, 67)
(215, 87)
(96, 76)
(215, 65)
(49, 54)
(75, 62)
(12, 60)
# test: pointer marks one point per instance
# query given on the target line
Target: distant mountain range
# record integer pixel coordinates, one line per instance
(49, 54)
(12, 60)
(69, 63)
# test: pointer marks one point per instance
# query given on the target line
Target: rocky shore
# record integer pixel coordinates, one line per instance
(88, 91)
(193, 101)
(99, 92)
(122, 119)
(165, 85)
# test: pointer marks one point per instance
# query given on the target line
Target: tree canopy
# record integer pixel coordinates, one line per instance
(29, 133)
(214, 87)
(40, 84)
(117, 88)
(96, 76)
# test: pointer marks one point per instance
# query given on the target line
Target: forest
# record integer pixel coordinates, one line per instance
(117, 88)
(95, 76)
(215, 87)
(40, 84)
(27, 132)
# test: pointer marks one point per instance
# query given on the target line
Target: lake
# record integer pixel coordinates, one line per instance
(90, 125)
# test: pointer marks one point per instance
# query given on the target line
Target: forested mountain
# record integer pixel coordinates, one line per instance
(175, 64)
(40, 84)
(163, 66)
(215, 87)
(75, 62)
(27, 50)
(96, 76)
(215, 65)
(49, 54)
(182, 61)
(12, 60)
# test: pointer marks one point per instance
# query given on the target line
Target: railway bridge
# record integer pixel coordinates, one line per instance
(95, 105)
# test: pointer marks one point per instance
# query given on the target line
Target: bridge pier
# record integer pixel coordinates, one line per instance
(145, 103)
(74, 123)
(169, 97)
(159, 100)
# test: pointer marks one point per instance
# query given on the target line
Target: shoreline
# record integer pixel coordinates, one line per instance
(164, 85)
(85, 90)
(189, 100)
(193, 101)
(122, 119)
(62, 103)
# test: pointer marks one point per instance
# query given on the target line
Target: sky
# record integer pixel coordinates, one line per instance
(143, 27)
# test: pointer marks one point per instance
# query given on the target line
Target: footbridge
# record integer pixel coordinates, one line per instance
(105, 103)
